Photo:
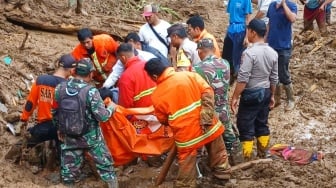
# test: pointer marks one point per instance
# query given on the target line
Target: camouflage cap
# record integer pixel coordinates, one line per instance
(84, 67)
(205, 43)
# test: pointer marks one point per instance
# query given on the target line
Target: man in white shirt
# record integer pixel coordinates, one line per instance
(119, 68)
(262, 7)
(154, 32)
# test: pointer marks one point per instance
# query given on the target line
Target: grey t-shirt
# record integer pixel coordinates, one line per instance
(259, 66)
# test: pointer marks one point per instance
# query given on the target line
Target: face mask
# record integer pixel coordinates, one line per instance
(278, 1)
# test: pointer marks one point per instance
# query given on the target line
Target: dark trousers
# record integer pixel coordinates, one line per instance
(283, 66)
(252, 116)
(233, 49)
(42, 132)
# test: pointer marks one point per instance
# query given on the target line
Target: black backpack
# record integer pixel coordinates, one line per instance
(71, 110)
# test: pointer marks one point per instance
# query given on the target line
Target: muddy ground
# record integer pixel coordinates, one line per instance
(311, 125)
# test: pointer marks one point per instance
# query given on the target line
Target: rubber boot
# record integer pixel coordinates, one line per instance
(9, 7)
(154, 161)
(262, 146)
(25, 8)
(113, 184)
(290, 97)
(247, 150)
(277, 95)
(236, 153)
(328, 21)
(80, 9)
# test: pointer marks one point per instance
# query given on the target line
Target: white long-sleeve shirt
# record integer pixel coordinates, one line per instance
(119, 68)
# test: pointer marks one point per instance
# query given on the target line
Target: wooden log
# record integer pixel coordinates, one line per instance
(24, 41)
(249, 164)
(118, 29)
(166, 165)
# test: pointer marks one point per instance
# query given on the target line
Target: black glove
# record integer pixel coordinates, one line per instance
(104, 93)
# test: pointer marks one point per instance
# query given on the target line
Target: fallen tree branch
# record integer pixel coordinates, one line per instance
(118, 31)
(249, 164)
(24, 41)
(166, 165)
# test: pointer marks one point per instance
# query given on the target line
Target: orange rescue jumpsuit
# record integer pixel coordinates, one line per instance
(177, 101)
(103, 58)
(205, 34)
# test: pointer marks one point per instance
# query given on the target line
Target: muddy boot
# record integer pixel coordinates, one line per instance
(25, 8)
(80, 9)
(222, 171)
(247, 150)
(290, 97)
(14, 153)
(262, 146)
(9, 7)
(113, 184)
(68, 12)
(277, 95)
(154, 161)
(236, 153)
(70, 9)
(69, 183)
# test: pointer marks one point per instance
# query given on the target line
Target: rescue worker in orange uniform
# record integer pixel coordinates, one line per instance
(135, 90)
(185, 102)
(101, 49)
(135, 86)
(41, 97)
(197, 31)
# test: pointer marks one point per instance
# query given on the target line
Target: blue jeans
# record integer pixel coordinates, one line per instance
(283, 66)
(233, 49)
(253, 114)
(115, 94)
(328, 8)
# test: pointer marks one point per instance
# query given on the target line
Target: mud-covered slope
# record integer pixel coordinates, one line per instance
(311, 125)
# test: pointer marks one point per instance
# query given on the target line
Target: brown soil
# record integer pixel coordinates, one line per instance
(310, 125)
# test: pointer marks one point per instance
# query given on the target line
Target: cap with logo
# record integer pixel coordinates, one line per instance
(67, 61)
(258, 26)
(84, 67)
(150, 9)
(205, 43)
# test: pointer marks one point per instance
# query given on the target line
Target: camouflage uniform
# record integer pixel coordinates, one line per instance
(217, 73)
(72, 149)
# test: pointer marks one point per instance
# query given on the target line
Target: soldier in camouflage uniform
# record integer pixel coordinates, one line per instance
(92, 142)
(217, 73)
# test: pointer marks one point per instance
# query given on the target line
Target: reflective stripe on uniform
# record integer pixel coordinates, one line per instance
(185, 110)
(144, 93)
(200, 138)
(98, 65)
